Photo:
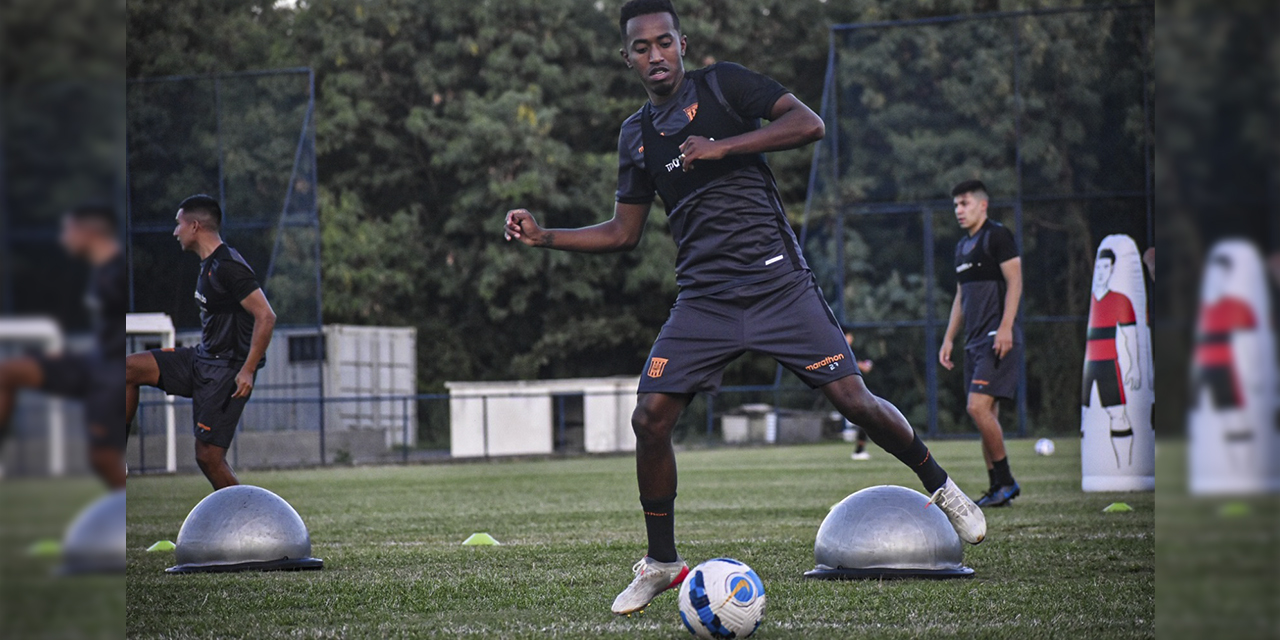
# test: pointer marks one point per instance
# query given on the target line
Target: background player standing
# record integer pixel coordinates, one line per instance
(744, 285)
(236, 324)
(89, 233)
(989, 275)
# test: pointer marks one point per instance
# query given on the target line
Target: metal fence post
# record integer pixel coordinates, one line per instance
(930, 323)
(404, 419)
(711, 417)
(142, 440)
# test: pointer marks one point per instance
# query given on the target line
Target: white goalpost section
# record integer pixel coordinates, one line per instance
(159, 324)
(45, 334)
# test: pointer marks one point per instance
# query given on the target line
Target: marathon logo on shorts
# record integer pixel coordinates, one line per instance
(829, 361)
(656, 367)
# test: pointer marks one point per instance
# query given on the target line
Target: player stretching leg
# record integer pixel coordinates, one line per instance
(988, 290)
(744, 285)
(237, 322)
(89, 233)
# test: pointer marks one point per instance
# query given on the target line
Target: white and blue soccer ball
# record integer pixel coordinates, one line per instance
(1044, 447)
(722, 598)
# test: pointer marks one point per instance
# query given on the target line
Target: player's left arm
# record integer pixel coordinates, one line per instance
(792, 124)
(1128, 333)
(1012, 271)
(264, 323)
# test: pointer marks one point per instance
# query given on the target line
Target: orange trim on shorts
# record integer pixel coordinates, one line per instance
(203, 427)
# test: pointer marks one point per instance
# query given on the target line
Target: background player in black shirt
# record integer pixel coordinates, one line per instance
(989, 288)
(744, 284)
(237, 322)
(89, 233)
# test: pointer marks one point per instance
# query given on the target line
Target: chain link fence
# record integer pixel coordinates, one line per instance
(1052, 110)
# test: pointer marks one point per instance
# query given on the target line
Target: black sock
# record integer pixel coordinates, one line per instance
(917, 457)
(862, 446)
(1000, 468)
(993, 481)
(660, 522)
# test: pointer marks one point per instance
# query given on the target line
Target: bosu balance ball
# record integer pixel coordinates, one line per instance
(243, 528)
(887, 532)
(95, 540)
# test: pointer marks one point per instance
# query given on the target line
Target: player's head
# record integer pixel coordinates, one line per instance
(88, 225)
(197, 215)
(1102, 269)
(970, 198)
(652, 44)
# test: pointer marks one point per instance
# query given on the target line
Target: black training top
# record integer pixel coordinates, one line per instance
(225, 280)
(982, 285)
(107, 298)
(726, 215)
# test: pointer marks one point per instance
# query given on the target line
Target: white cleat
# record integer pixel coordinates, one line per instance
(652, 578)
(861, 455)
(964, 514)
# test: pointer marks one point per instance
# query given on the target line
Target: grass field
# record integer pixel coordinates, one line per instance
(34, 603)
(1053, 564)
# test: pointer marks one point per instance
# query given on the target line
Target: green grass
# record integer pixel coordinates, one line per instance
(34, 603)
(1053, 564)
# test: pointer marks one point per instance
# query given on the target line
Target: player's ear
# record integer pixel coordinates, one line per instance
(684, 44)
(625, 58)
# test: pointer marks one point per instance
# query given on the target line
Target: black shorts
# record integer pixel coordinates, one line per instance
(1224, 389)
(985, 373)
(785, 318)
(1107, 374)
(99, 383)
(209, 384)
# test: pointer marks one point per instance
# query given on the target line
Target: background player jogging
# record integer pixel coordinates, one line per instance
(236, 325)
(988, 290)
(744, 284)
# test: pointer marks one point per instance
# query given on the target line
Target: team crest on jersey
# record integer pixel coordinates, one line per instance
(656, 367)
(691, 111)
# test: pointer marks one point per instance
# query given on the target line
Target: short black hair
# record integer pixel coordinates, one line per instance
(1107, 254)
(98, 213)
(969, 186)
(201, 203)
(635, 8)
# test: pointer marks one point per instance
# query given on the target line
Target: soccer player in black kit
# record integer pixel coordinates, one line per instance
(744, 285)
(89, 233)
(988, 292)
(236, 324)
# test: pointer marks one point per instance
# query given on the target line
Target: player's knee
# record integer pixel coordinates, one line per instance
(860, 408)
(209, 456)
(979, 409)
(649, 426)
(135, 371)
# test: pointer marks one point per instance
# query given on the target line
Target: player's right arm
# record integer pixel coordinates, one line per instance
(953, 327)
(621, 233)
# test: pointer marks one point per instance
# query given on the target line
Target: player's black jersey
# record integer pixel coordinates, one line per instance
(227, 328)
(726, 215)
(981, 282)
(107, 298)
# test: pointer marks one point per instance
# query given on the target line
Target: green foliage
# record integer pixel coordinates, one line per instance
(433, 119)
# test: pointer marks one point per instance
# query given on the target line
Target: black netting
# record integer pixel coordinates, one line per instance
(1052, 110)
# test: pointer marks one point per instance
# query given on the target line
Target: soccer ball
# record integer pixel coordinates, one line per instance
(1044, 447)
(722, 598)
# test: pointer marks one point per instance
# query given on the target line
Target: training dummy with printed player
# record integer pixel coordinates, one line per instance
(744, 284)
